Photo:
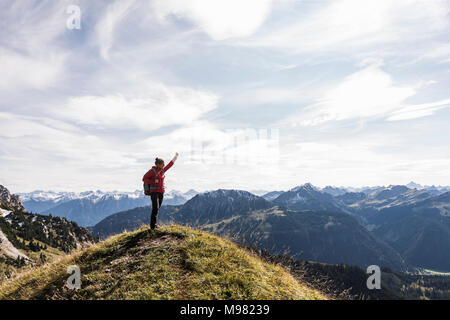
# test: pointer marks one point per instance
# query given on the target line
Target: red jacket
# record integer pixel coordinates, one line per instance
(157, 181)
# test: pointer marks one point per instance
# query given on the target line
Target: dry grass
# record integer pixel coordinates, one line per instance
(172, 262)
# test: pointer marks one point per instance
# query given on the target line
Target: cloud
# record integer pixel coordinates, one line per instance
(29, 55)
(219, 19)
(202, 142)
(368, 93)
(382, 158)
(21, 71)
(162, 75)
(352, 24)
(39, 152)
(160, 106)
(340, 161)
(265, 95)
(418, 111)
(114, 14)
(39, 139)
(31, 26)
(439, 52)
(195, 134)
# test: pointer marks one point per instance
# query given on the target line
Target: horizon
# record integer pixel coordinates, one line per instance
(254, 191)
(255, 94)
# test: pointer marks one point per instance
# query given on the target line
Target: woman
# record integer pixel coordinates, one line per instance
(155, 178)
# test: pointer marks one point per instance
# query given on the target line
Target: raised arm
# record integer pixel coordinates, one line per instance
(170, 164)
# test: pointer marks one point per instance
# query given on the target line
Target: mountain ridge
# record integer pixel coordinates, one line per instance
(251, 219)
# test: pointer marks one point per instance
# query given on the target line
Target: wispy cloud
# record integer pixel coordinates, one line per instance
(439, 52)
(219, 19)
(40, 140)
(346, 160)
(20, 71)
(158, 107)
(418, 111)
(29, 55)
(105, 28)
(368, 93)
(38, 152)
(30, 26)
(350, 25)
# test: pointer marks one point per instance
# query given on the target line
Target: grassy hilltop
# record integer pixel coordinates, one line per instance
(172, 262)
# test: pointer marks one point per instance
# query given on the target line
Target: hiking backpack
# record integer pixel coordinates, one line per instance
(148, 187)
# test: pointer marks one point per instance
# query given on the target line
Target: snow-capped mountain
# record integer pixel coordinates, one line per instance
(435, 190)
(383, 197)
(89, 207)
(307, 197)
(45, 236)
(339, 191)
(60, 197)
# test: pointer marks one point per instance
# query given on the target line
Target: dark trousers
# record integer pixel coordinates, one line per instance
(157, 199)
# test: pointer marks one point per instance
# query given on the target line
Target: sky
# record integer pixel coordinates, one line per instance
(253, 94)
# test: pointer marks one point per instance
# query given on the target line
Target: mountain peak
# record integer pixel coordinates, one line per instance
(306, 197)
(220, 204)
(414, 185)
(307, 186)
(229, 193)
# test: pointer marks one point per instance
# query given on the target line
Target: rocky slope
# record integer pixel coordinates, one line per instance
(10, 201)
(28, 239)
